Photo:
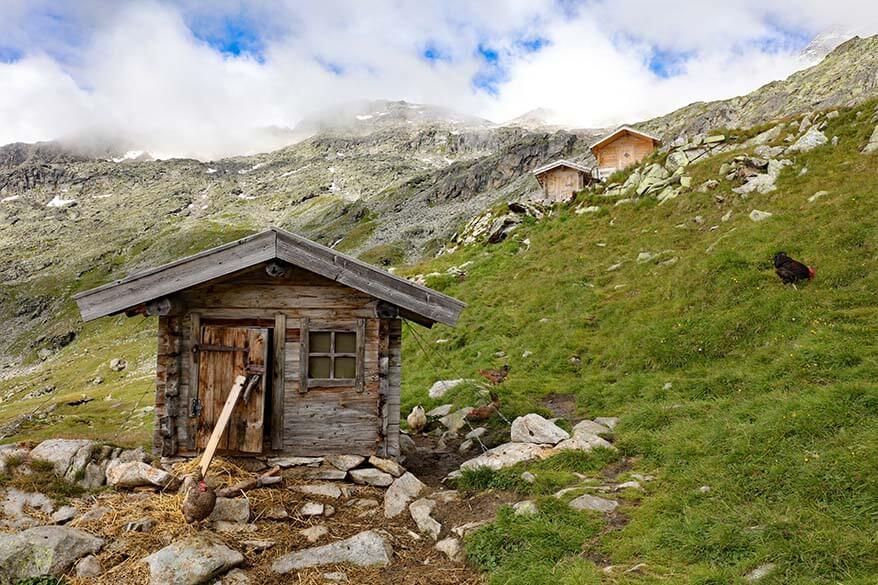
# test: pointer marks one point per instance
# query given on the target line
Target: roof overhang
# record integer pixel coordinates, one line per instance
(417, 302)
(561, 163)
(624, 130)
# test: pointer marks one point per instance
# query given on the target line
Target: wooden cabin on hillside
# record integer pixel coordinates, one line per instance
(316, 333)
(561, 179)
(622, 148)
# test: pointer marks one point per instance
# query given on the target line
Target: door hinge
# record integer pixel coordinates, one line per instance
(196, 407)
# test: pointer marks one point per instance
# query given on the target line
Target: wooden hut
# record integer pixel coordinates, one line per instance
(621, 148)
(561, 179)
(316, 333)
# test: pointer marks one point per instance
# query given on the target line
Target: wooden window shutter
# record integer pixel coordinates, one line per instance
(361, 355)
(303, 354)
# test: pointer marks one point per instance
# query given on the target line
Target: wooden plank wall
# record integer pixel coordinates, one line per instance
(612, 155)
(323, 420)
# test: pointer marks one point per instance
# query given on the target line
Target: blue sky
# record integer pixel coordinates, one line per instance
(171, 70)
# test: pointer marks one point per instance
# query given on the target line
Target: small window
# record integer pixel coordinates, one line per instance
(332, 355)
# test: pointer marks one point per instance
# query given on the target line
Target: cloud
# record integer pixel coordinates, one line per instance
(195, 78)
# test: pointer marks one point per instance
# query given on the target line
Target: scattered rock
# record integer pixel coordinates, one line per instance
(469, 527)
(817, 196)
(608, 421)
(235, 510)
(583, 441)
(64, 514)
(311, 509)
(476, 433)
(327, 473)
(94, 514)
(345, 462)
(441, 411)
(589, 209)
(403, 490)
(258, 545)
(190, 561)
(67, 456)
(336, 577)
(420, 511)
(407, 445)
(314, 533)
(135, 474)
(364, 549)
(451, 548)
(88, 567)
(532, 428)
(593, 503)
(809, 141)
(455, 420)
(757, 215)
(327, 490)
(286, 462)
(439, 388)
(705, 489)
(525, 508)
(592, 427)
(528, 477)
(387, 466)
(43, 550)
(507, 455)
(872, 145)
(118, 364)
(759, 572)
(16, 502)
(235, 577)
(371, 476)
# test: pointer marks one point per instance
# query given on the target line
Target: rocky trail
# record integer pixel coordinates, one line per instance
(340, 518)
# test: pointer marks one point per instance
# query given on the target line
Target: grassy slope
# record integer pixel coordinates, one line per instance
(772, 400)
(722, 376)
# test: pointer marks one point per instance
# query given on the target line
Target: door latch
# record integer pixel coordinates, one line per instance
(196, 407)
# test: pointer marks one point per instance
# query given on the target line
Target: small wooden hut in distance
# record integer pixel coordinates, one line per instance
(622, 148)
(316, 331)
(561, 179)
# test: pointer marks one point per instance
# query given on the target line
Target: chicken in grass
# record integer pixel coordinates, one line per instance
(495, 377)
(485, 411)
(791, 271)
(198, 498)
(417, 419)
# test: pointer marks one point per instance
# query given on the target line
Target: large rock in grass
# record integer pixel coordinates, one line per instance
(44, 550)
(593, 503)
(809, 141)
(69, 457)
(507, 455)
(872, 145)
(439, 388)
(583, 441)
(191, 561)
(532, 428)
(134, 474)
(403, 490)
(364, 549)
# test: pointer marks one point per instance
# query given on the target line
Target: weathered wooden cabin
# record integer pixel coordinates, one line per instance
(316, 331)
(561, 179)
(622, 148)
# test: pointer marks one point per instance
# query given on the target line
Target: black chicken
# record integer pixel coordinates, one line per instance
(791, 271)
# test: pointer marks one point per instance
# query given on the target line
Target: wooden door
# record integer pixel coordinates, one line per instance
(223, 354)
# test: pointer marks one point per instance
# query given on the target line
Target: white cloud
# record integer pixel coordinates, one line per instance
(137, 71)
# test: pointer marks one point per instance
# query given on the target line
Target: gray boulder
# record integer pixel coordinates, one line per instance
(68, 457)
(344, 462)
(387, 466)
(456, 420)
(371, 476)
(135, 474)
(364, 549)
(230, 510)
(608, 421)
(757, 215)
(440, 387)
(403, 490)
(191, 561)
(16, 502)
(420, 511)
(872, 145)
(507, 455)
(88, 567)
(593, 503)
(809, 141)
(43, 550)
(532, 428)
(589, 426)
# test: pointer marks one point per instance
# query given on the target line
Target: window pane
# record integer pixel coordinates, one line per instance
(319, 342)
(345, 343)
(318, 367)
(345, 367)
